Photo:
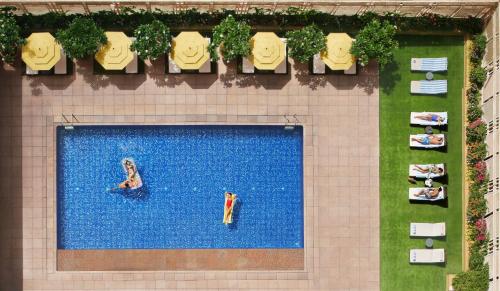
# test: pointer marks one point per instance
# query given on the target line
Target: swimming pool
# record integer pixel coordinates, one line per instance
(185, 171)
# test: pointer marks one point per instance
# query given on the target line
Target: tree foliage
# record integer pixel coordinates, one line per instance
(10, 38)
(82, 38)
(375, 41)
(304, 43)
(151, 40)
(233, 37)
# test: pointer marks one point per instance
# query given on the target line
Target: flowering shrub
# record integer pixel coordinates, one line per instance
(304, 43)
(10, 38)
(477, 277)
(375, 41)
(476, 131)
(233, 37)
(82, 38)
(151, 40)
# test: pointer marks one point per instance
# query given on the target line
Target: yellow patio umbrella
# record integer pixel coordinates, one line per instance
(116, 53)
(337, 55)
(41, 52)
(189, 50)
(268, 51)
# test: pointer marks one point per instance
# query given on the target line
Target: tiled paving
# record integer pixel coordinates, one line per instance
(341, 156)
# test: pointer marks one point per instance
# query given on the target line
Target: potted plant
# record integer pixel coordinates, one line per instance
(10, 38)
(304, 43)
(375, 41)
(151, 40)
(82, 38)
(233, 37)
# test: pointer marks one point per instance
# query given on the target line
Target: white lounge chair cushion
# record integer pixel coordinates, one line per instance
(414, 120)
(351, 70)
(414, 173)
(427, 256)
(429, 64)
(172, 67)
(29, 71)
(247, 66)
(413, 191)
(419, 145)
(429, 87)
(61, 67)
(428, 229)
(282, 67)
(318, 67)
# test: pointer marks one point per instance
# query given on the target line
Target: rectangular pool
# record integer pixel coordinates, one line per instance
(185, 172)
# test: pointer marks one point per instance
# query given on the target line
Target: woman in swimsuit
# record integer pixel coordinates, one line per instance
(229, 203)
(429, 170)
(131, 181)
(428, 140)
(429, 193)
(430, 117)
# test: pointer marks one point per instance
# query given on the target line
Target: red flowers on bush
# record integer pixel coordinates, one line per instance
(481, 229)
(480, 171)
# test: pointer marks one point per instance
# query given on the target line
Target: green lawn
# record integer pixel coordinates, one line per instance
(396, 212)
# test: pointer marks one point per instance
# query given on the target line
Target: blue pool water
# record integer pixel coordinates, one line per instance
(185, 171)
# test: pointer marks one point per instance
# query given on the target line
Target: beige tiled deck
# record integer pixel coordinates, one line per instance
(341, 156)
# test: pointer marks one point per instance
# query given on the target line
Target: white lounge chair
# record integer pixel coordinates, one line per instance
(413, 172)
(133, 66)
(61, 67)
(433, 87)
(416, 144)
(415, 191)
(427, 229)
(427, 256)
(318, 66)
(419, 121)
(429, 64)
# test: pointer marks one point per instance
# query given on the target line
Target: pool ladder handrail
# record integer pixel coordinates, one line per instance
(69, 124)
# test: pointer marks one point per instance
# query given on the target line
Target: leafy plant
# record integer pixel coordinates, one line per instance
(375, 41)
(476, 131)
(478, 75)
(476, 152)
(474, 112)
(304, 43)
(478, 48)
(233, 37)
(473, 280)
(10, 38)
(151, 40)
(82, 38)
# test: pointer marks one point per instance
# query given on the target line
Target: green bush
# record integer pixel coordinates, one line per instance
(476, 152)
(10, 38)
(476, 132)
(304, 43)
(473, 96)
(82, 38)
(477, 280)
(478, 48)
(478, 75)
(375, 41)
(474, 112)
(233, 37)
(151, 40)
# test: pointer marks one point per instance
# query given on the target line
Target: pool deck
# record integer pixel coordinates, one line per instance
(340, 115)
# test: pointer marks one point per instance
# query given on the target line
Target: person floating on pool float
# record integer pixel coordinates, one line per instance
(133, 180)
(428, 140)
(230, 200)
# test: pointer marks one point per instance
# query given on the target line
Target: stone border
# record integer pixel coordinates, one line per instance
(67, 260)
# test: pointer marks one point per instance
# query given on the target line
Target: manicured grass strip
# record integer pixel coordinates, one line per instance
(396, 211)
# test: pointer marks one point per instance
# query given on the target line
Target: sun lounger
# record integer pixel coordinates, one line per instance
(428, 229)
(137, 177)
(61, 67)
(413, 191)
(429, 64)
(318, 66)
(229, 218)
(413, 172)
(427, 256)
(416, 144)
(432, 87)
(418, 121)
